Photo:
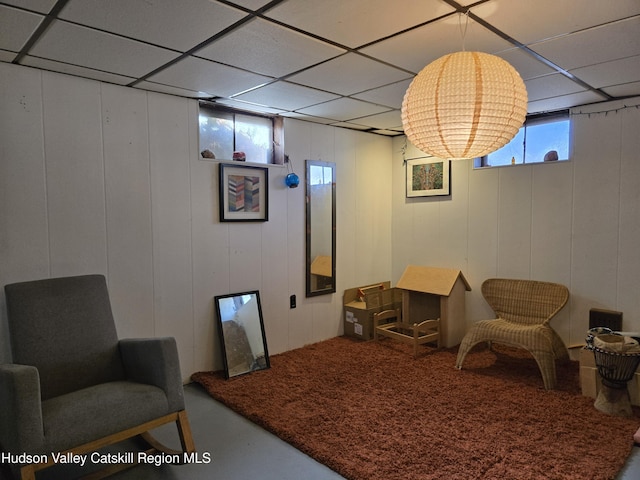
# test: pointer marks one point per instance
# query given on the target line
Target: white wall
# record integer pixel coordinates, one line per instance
(97, 178)
(576, 222)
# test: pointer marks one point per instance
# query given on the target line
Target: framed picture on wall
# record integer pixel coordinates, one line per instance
(244, 193)
(428, 177)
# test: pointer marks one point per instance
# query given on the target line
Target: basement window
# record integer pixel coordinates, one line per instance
(227, 134)
(542, 138)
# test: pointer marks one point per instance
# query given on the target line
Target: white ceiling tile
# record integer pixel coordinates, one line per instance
(42, 6)
(532, 21)
(286, 96)
(466, 3)
(206, 76)
(171, 24)
(563, 102)
(348, 74)
(386, 120)
(266, 48)
(527, 65)
(607, 74)
(343, 109)
(54, 66)
(85, 47)
(353, 126)
(624, 90)
(308, 118)
(390, 133)
(550, 86)
(251, 4)
(389, 95)
(609, 42)
(249, 107)
(434, 40)
(123, 41)
(357, 22)
(16, 26)
(6, 56)
(179, 92)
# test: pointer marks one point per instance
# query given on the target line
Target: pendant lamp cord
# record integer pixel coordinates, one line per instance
(463, 29)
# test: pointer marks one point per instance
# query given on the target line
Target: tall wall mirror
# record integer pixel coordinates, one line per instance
(243, 342)
(321, 227)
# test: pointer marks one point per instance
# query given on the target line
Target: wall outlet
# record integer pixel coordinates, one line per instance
(292, 301)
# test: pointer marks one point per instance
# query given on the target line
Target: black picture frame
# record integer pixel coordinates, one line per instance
(244, 193)
(320, 216)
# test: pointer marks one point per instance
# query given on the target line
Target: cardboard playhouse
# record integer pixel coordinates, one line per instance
(430, 293)
(360, 303)
(423, 293)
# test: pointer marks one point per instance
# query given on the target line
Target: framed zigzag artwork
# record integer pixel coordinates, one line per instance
(244, 193)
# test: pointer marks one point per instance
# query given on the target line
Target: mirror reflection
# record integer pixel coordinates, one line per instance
(243, 342)
(321, 227)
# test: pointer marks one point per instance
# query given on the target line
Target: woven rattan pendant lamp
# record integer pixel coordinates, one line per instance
(464, 105)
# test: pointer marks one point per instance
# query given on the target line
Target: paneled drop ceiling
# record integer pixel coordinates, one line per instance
(338, 62)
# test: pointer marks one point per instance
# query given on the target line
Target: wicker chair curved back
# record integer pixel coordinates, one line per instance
(523, 310)
(527, 302)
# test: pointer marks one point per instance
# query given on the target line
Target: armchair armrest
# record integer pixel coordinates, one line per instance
(21, 426)
(155, 361)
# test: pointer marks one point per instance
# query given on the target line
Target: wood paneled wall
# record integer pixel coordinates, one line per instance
(575, 222)
(101, 178)
(98, 178)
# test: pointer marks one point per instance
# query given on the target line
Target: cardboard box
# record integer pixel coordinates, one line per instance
(586, 358)
(591, 382)
(360, 303)
(589, 379)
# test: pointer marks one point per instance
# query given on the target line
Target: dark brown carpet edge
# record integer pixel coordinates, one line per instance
(370, 411)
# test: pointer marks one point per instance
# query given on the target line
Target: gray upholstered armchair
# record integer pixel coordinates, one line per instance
(73, 386)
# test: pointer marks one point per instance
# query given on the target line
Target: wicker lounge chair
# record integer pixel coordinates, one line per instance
(523, 309)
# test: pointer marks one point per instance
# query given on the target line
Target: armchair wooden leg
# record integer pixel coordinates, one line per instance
(184, 430)
(181, 419)
(27, 473)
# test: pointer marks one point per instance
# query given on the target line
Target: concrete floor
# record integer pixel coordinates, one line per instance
(631, 469)
(239, 449)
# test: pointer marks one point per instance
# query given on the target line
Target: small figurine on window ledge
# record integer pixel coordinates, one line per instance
(239, 156)
(207, 154)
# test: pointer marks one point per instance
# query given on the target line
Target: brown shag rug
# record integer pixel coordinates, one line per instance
(370, 411)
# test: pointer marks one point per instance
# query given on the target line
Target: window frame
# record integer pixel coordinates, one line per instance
(531, 121)
(277, 126)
